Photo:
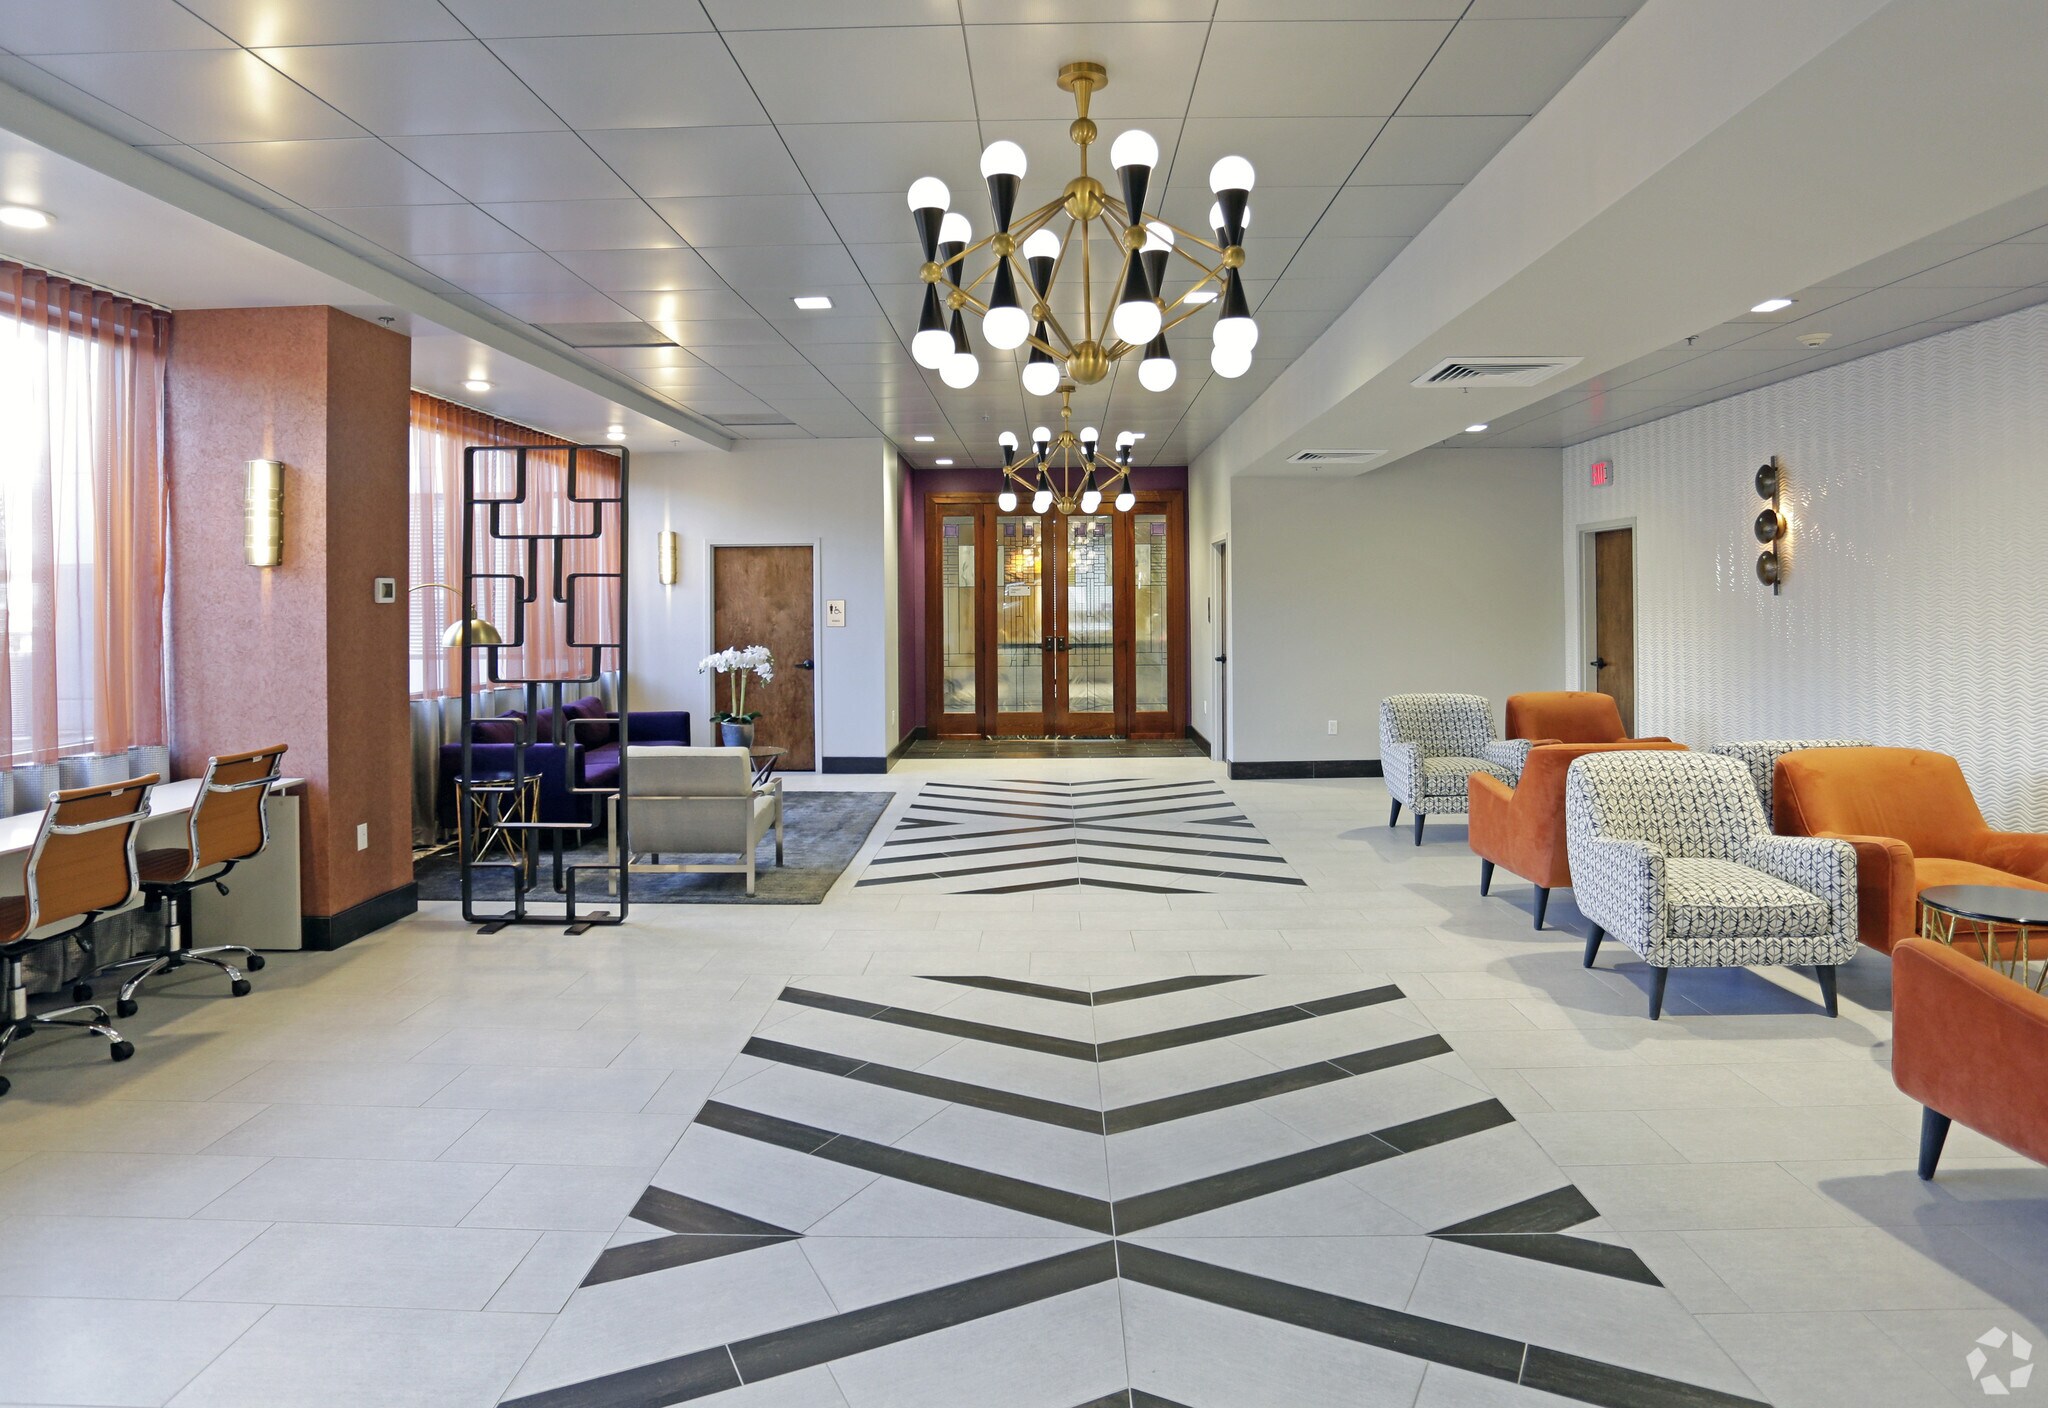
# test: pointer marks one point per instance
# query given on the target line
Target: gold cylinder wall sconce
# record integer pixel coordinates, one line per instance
(669, 554)
(1770, 524)
(263, 513)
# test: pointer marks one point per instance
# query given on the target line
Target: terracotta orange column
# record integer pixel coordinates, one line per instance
(299, 653)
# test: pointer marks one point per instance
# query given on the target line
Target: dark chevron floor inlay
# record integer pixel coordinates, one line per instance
(1016, 836)
(965, 1189)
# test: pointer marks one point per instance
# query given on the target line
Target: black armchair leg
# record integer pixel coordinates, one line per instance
(1418, 828)
(1933, 1134)
(1826, 973)
(1658, 976)
(1485, 874)
(1394, 816)
(1593, 944)
(1542, 903)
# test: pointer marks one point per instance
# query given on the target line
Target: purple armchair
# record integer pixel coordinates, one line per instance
(588, 756)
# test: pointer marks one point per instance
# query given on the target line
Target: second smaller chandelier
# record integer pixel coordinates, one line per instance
(1066, 472)
(1014, 294)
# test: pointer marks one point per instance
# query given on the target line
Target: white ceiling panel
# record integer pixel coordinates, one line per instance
(407, 90)
(256, 23)
(1505, 66)
(615, 270)
(1383, 210)
(640, 80)
(1283, 151)
(1016, 68)
(517, 166)
(699, 161)
(589, 306)
(885, 156)
(686, 305)
(791, 267)
(846, 299)
(1239, 10)
(2014, 265)
(503, 273)
(1329, 68)
(992, 12)
(1551, 9)
(869, 217)
(708, 222)
(40, 27)
(204, 95)
(347, 171)
(429, 229)
(1421, 151)
(717, 332)
(499, 19)
(827, 14)
(586, 224)
(808, 329)
(858, 75)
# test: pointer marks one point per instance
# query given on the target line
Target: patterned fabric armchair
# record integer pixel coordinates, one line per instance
(1761, 758)
(1671, 855)
(1429, 745)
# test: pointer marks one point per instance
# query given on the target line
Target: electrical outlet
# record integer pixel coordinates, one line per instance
(1333, 728)
(363, 836)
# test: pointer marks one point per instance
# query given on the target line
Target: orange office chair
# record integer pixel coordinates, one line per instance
(229, 823)
(81, 865)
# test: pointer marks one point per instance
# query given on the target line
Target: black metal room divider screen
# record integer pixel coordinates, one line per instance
(496, 807)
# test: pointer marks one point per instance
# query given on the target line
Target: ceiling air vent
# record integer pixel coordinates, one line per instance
(607, 334)
(1494, 371)
(1332, 456)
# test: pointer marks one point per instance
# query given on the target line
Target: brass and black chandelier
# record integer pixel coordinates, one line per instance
(1066, 471)
(1013, 294)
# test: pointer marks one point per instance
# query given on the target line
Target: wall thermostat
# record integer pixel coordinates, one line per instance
(386, 591)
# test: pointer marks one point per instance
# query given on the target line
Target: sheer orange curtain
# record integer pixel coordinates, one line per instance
(82, 518)
(441, 431)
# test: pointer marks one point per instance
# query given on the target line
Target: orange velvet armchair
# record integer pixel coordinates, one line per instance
(1522, 828)
(1969, 1044)
(1914, 824)
(1568, 716)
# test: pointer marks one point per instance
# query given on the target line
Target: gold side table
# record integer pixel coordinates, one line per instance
(1987, 915)
(496, 806)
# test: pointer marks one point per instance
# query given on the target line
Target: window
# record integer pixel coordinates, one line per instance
(82, 519)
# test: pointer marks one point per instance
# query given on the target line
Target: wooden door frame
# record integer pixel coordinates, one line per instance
(817, 548)
(1589, 600)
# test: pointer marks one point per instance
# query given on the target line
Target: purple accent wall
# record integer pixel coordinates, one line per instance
(910, 571)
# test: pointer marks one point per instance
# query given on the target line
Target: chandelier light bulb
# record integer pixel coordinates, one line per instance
(1126, 501)
(1157, 372)
(1041, 501)
(929, 193)
(1134, 148)
(1125, 438)
(1157, 236)
(1091, 500)
(1237, 334)
(1007, 501)
(1229, 361)
(1006, 328)
(1231, 173)
(930, 348)
(1089, 435)
(1216, 216)
(1008, 440)
(1041, 378)
(1041, 436)
(1042, 244)
(1002, 159)
(960, 370)
(954, 229)
(1136, 320)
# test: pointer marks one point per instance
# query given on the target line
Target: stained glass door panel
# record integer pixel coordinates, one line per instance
(1020, 630)
(1086, 699)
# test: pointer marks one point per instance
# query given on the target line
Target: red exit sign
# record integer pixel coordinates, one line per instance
(1603, 473)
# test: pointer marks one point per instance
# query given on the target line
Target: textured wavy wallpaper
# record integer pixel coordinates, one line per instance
(1915, 604)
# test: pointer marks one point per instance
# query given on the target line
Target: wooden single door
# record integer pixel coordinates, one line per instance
(1614, 620)
(762, 596)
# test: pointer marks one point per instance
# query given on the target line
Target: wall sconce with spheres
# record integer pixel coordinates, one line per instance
(1771, 524)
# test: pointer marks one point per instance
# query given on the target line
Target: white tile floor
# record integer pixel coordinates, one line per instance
(378, 1180)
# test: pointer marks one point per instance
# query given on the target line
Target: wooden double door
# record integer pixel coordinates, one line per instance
(1055, 625)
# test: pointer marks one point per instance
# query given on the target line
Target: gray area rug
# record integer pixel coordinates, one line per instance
(822, 831)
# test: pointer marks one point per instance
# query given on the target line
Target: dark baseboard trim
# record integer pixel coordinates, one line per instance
(1195, 737)
(868, 765)
(903, 744)
(1324, 767)
(327, 932)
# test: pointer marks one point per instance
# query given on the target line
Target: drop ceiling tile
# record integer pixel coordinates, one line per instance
(1416, 151)
(770, 432)
(708, 222)
(406, 90)
(1286, 212)
(829, 355)
(1081, 11)
(1703, 373)
(586, 224)
(107, 26)
(588, 306)
(659, 270)
(1901, 263)
(516, 166)
(257, 23)
(857, 75)
(846, 299)
(414, 230)
(687, 305)
(1313, 68)
(503, 19)
(1016, 67)
(810, 14)
(715, 332)
(1886, 310)
(642, 80)
(1383, 210)
(886, 156)
(2024, 220)
(869, 217)
(699, 161)
(1265, 257)
(782, 267)
(503, 273)
(1551, 9)
(204, 95)
(809, 329)
(1506, 66)
(1241, 10)
(346, 171)
(1283, 151)
(764, 354)
(2015, 265)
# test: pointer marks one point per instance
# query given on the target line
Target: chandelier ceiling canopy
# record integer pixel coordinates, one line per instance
(1028, 253)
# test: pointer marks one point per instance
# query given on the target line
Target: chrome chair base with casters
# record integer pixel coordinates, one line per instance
(168, 959)
(17, 1023)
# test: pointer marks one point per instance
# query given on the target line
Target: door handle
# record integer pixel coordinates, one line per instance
(1599, 664)
(1221, 658)
(807, 664)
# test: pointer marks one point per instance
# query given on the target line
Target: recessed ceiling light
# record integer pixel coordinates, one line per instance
(615, 432)
(1201, 295)
(924, 439)
(1475, 427)
(1772, 305)
(476, 383)
(811, 302)
(23, 217)
(942, 462)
